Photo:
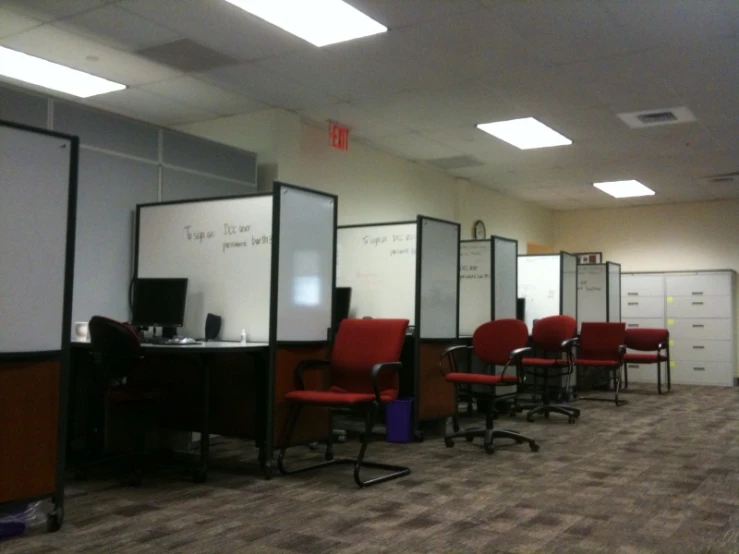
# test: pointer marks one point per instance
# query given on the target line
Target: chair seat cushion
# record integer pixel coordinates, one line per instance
(639, 358)
(597, 363)
(333, 398)
(480, 379)
(544, 362)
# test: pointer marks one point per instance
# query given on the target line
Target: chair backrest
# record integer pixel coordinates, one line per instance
(645, 340)
(493, 341)
(114, 345)
(359, 345)
(600, 341)
(550, 332)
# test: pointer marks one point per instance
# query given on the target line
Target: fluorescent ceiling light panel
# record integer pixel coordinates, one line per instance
(44, 73)
(320, 22)
(624, 189)
(526, 133)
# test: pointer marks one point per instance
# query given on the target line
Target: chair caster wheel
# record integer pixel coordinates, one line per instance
(199, 476)
(312, 445)
(469, 438)
(489, 449)
(54, 520)
(530, 418)
(455, 427)
(328, 456)
(449, 443)
(571, 419)
(546, 415)
(512, 413)
(418, 436)
(534, 447)
(520, 441)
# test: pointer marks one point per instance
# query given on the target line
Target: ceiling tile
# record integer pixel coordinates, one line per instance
(66, 48)
(195, 92)
(118, 28)
(361, 123)
(394, 14)
(12, 23)
(414, 147)
(49, 10)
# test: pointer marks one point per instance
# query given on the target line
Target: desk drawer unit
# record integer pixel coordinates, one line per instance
(711, 284)
(647, 307)
(700, 329)
(701, 350)
(702, 373)
(634, 286)
(699, 307)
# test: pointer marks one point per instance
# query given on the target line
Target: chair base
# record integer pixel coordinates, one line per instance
(545, 409)
(396, 471)
(489, 435)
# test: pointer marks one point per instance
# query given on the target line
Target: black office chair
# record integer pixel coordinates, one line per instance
(116, 354)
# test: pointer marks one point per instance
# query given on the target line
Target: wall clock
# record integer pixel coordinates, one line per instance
(478, 230)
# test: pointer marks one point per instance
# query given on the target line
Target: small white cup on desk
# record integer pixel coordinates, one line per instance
(81, 331)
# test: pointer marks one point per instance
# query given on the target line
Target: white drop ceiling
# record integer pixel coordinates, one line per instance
(445, 65)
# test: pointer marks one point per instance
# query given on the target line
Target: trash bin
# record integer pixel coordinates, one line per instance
(13, 524)
(399, 420)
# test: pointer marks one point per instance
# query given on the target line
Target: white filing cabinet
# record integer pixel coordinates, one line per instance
(699, 310)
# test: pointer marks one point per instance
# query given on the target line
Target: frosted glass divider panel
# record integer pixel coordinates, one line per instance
(439, 279)
(378, 262)
(306, 263)
(475, 284)
(614, 291)
(224, 248)
(539, 283)
(36, 184)
(568, 282)
(505, 277)
(592, 293)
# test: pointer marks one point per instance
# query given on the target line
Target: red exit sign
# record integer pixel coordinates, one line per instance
(338, 135)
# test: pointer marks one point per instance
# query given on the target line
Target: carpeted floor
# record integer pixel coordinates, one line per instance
(660, 474)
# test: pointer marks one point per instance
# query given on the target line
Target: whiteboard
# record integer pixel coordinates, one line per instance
(614, 291)
(306, 264)
(475, 285)
(379, 263)
(538, 282)
(439, 279)
(505, 272)
(224, 248)
(569, 285)
(591, 293)
(34, 199)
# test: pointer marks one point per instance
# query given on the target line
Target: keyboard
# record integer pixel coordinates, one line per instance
(166, 341)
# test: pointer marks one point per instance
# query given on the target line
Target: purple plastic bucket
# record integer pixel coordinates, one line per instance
(399, 420)
(11, 529)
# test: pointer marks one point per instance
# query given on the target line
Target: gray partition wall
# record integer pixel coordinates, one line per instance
(614, 291)
(548, 283)
(123, 163)
(568, 291)
(599, 292)
(505, 277)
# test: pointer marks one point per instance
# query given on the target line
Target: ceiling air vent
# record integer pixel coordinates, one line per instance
(186, 55)
(454, 162)
(723, 178)
(652, 118)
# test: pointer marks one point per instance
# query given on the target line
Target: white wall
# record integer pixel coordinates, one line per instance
(374, 186)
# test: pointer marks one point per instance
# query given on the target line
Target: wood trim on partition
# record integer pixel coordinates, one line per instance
(435, 396)
(29, 435)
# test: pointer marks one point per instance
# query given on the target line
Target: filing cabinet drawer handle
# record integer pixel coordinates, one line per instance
(699, 369)
(633, 325)
(698, 347)
(698, 326)
(698, 293)
(633, 366)
(632, 294)
(633, 303)
(697, 303)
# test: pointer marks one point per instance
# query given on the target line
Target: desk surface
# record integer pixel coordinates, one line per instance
(201, 348)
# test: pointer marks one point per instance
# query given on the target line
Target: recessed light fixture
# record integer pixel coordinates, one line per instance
(44, 73)
(319, 22)
(526, 133)
(624, 189)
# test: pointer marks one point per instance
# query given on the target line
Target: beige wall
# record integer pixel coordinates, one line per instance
(374, 186)
(689, 236)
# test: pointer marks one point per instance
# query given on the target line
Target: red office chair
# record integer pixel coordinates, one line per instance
(653, 346)
(552, 339)
(601, 346)
(116, 353)
(363, 374)
(496, 343)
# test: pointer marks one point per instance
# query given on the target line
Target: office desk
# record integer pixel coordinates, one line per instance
(206, 353)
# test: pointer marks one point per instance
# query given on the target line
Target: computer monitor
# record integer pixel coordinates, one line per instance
(342, 303)
(160, 302)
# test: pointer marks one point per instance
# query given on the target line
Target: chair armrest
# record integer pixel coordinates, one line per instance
(621, 351)
(515, 357)
(519, 352)
(449, 353)
(305, 365)
(379, 368)
(663, 346)
(569, 344)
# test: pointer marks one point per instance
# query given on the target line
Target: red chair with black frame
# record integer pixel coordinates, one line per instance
(601, 346)
(117, 358)
(502, 342)
(652, 347)
(551, 340)
(362, 375)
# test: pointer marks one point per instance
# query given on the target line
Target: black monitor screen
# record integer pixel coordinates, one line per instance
(159, 302)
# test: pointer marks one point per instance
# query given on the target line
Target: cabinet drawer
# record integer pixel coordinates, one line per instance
(699, 307)
(645, 323)
(702, 373)
(642, 285)
(698, 285)
(645, 373)
(701, 350)
(642, 307)
(700, 329)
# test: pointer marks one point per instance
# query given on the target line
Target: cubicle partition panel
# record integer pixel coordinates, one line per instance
(437, 314)
(505, 277)
(568, 285)
(476, 285)
(304, 278)
(378, 262)
(614, 291)
(548, 283)
(38, 187)
(223, 246)
(598, 292)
